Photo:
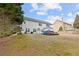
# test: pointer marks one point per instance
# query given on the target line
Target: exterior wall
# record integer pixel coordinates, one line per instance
(59, 24)
(56, 26)
(68, 27)
(32, 25)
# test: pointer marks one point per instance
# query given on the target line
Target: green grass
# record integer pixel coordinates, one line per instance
(25, 45)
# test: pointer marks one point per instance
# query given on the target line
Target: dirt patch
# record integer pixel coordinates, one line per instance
(36, 44)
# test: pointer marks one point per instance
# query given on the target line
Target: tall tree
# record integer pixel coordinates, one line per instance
(76, 22)
(11, 15)
(12, 11)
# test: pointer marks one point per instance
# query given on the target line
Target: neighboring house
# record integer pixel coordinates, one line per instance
(65, 26)
(33, 25)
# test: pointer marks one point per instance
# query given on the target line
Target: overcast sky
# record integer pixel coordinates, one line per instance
(51, 11)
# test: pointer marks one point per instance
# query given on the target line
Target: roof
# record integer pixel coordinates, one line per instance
(36, 20)
(62, 21)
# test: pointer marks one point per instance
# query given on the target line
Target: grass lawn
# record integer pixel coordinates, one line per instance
(39, 45)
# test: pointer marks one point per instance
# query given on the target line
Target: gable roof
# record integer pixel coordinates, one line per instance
(36, 20)
(62, 21)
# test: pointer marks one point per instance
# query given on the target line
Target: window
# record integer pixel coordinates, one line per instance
(40, 24)
(24, 22)
(34, 30)
(28, 29)
(47, 25)
(38, 29)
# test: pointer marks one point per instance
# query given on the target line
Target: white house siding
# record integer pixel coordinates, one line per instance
(68, 27)
(32, 25)
(59, 24)
(56, 26)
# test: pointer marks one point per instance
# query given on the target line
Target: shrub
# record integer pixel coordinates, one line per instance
(5, 34)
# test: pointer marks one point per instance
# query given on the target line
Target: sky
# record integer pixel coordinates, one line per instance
(51, 11)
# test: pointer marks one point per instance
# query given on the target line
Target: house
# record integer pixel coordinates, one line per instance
(31, 25)
(65, 26)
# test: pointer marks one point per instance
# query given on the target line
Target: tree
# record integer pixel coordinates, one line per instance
(76, 22)
(12, 11)
(11, 15)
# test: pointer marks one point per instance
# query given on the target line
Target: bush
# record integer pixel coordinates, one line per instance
(10, 32)
(18, 30)
(5, 34)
